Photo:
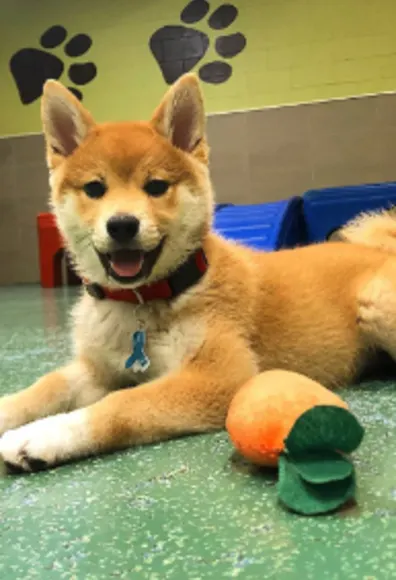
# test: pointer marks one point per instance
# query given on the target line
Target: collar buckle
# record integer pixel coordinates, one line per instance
(138, 295)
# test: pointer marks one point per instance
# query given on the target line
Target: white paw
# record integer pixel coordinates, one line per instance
(44, 443)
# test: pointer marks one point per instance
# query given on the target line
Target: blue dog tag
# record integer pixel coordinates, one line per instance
(138, 361)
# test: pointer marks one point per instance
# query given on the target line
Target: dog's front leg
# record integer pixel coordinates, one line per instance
(193, 400)
(70, 387)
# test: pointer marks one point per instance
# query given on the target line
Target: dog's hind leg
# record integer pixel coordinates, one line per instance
(376, 308)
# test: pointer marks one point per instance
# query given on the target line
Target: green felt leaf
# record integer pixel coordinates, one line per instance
(325, 427)
(311, 499)
(321, 466)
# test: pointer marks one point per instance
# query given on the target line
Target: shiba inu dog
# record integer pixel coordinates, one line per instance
(173, 319)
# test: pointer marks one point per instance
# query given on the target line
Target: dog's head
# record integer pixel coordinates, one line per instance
(132, 200)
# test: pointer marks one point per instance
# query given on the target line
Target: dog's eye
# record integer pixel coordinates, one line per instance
(156, 187)
(95, 189)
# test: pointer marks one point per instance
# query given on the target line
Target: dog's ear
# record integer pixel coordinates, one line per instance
(65, 122)
(180, 117)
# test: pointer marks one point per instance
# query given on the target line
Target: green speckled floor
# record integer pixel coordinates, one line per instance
(183, 510)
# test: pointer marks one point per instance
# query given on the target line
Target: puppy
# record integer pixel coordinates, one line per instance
(173, 319)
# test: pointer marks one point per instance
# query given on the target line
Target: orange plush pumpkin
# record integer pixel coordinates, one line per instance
(264, 410)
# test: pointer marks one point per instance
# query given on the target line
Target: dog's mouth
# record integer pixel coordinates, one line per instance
(127, 265)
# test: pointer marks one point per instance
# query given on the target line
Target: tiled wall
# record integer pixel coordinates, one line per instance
(273, 153)
(257, 156)
(23, 194)
(296, 51)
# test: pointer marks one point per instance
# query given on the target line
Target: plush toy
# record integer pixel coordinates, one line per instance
(280, 418)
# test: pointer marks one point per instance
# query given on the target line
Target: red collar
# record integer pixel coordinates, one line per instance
(186, 276)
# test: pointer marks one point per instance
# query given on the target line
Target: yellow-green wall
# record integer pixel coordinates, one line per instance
(297, 50)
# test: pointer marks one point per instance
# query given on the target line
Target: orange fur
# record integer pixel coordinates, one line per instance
(320, 311)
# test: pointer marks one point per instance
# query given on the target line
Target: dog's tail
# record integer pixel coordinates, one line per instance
(375, 229)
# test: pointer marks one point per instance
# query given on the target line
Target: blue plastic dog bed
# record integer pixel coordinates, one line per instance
(326, 210)
(266, 226)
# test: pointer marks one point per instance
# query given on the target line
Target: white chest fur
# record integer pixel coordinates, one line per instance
(104, 330)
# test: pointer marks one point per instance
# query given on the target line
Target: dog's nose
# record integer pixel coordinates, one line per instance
(123, 228)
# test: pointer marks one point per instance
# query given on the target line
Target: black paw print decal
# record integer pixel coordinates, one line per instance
(31, 67)
(177, 49)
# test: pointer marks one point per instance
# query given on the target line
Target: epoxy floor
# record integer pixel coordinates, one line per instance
(184, 510)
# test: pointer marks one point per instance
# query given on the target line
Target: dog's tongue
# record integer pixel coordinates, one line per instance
(126, 263)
